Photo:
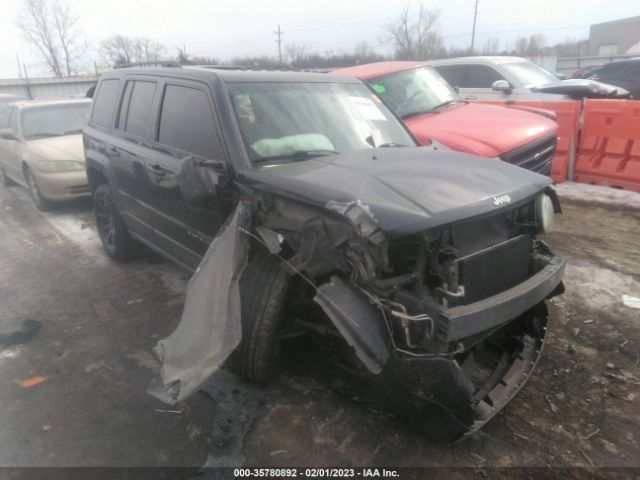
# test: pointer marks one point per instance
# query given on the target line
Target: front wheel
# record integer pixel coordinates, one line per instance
(111, 227)
(4, 180)
(263, 291)
(42, 203)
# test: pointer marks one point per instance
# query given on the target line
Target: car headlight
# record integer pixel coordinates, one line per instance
(60, 166)
(545, 213)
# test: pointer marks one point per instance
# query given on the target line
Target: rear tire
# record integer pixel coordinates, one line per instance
(43, 204)
(263, 290)
(113, 232)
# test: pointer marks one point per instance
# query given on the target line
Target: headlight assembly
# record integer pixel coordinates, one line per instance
(545, 213)
(52, 166)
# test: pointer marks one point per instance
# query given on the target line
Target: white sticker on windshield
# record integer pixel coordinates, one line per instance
(367, 108)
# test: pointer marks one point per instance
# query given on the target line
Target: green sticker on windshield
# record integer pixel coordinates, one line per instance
(379, 88)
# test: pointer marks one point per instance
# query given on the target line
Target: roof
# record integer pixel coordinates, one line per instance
(50, 102)
(618, 22)
(226, 75)
(479, 59)
(378, 69)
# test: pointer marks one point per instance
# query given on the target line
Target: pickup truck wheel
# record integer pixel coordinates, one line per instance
(42, 204)
(111, 228)
(263, 290)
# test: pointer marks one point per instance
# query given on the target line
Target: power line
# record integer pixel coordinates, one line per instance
(279, 34)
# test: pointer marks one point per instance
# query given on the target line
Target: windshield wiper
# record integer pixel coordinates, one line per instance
(73, 132)
(297, 155)
(391, 144)
(435, 109)
(44, 135)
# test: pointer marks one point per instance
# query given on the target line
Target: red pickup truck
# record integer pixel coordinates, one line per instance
(432, 110)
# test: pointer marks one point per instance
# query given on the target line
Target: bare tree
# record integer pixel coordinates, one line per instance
(529, 47)
(54, 29)
(296, 53)
(416, 37)
(491, 46)
(120, 49)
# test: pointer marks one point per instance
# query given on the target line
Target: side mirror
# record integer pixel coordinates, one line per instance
(8, 134)
(561, 76)
(201, 181)
(501, 86)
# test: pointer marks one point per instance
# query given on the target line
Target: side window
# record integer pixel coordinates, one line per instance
(187, 123)
(482, 76)
(138, 114)
(453, 74)
(12, 121)
(105, 101)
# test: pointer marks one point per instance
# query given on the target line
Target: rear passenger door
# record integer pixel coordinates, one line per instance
(129, 146)
(186, 128)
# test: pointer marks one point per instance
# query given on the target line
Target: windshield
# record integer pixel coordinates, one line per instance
(54, 120)
(297, 121)
(529, 73)
(414, 91)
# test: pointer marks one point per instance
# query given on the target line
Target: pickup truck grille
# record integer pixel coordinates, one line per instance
(535, 156)
(495, 269)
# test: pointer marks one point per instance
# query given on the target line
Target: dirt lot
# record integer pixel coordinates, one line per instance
(100, 321)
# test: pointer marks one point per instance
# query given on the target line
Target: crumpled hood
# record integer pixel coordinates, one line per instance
(485, 130)
(67, 147)
(406, 189)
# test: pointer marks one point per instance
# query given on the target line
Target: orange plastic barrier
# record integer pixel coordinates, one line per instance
(568, 115)
(609, 151)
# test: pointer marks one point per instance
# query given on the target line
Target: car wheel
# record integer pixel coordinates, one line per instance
(263, 290)
(111, 228)
(40, 201)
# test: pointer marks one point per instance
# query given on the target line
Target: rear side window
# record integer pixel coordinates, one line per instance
(187, 122)
(482, 76)
(453, 74)
(105, 101)
(139, 95)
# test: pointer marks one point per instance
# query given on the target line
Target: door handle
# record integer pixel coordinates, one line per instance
(113, 151)
(157, 170)
(470, 97)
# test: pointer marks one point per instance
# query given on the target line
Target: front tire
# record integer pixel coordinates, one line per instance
(263, 290)
(113, 232)
(41, 203)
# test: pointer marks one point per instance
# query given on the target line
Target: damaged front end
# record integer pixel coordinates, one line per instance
(451, 321)
(447, 321)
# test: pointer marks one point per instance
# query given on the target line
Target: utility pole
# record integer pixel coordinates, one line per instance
(473, 32)
(279, 34)
(19, 69)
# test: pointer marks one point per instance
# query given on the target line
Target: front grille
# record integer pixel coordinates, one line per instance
(535, 156)
(495, 269)
(78, 189)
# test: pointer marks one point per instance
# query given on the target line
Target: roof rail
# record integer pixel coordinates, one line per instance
(287, 68)
(157, 63)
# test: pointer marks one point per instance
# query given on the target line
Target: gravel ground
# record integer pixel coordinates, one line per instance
(100, 321)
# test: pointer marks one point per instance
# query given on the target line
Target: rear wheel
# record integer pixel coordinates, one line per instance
(111, 228)
(42, 203)
(263, 290)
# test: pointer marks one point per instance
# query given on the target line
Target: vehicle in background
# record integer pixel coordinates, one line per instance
(418, 268)
(432, 110)
(515, 78)
(622, 73)
(6, 99)
(41, 149)
(586, 72)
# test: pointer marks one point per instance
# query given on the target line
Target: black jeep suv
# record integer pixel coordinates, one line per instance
(305, 207)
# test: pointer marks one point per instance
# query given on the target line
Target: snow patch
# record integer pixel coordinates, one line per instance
(597, 193)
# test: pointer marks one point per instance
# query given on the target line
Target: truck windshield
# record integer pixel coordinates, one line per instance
(415, 91)
(54, 120)
(530, 74)
(297, 121)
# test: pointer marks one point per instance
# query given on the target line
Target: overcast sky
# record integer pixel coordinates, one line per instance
(223, 29)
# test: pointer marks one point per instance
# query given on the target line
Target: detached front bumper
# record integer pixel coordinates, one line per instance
(59, 186)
